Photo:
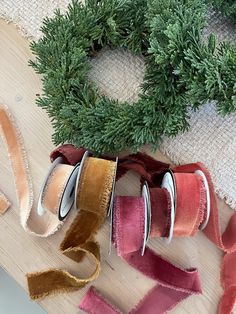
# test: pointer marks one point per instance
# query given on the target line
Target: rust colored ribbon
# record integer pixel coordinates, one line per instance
(93, 198)
(171, 289)
(172, 281)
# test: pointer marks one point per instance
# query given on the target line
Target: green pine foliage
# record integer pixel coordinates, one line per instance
(182, 71)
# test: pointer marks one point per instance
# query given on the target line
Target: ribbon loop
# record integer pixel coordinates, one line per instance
(92, 199)
(191, 212)
(95, 188)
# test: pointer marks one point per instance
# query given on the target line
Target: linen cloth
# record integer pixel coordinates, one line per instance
(211, 139)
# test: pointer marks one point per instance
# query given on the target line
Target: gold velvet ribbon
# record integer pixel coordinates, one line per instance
(94, 192)
(93, 198)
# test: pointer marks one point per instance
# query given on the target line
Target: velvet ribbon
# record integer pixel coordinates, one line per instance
(160, 219)
(152, 265)
(93, 198)
(171, 279)
(98, 174)
(226, 242)
(54, 188)
(190, 204)
(42, 226)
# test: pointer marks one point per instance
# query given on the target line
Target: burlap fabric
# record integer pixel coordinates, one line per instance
(211, 139)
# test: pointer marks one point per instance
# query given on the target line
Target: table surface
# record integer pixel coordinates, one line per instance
(21, 253)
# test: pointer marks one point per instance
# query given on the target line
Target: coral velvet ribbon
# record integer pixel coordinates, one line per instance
(226, 242)
(171, 289)
(174, 284)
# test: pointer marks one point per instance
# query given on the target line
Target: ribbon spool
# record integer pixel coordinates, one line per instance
(55, 201)
(179, 208)
(195, 197)
(92, 182)
(61, 188)
(91, 186)
(58, 191)
(168, 183)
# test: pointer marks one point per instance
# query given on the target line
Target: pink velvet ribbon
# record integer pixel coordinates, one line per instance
(129, 214)
(173, 284)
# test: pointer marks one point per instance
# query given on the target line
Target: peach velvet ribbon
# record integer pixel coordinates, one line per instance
(54, 188)
(172, 282)
(41, 226)
(93, 198)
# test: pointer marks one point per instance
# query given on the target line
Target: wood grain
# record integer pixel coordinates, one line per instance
(21, 253)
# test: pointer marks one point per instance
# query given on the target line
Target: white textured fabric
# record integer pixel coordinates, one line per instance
(29, 14)
(211, 139)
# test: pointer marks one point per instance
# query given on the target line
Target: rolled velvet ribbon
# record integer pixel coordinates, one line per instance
(190, 204)
(160, 217)
(58, 191)
(174, 284)
(92, 200)
(54, 205)
(55, 187)
(129, 213)
(129, 224)
(46, 224)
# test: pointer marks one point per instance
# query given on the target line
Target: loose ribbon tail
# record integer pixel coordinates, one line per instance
(228, 282)
(93, 198)
(4, 203)
(94, 303)
(79, 238)
(174, 285)
(69, 153)
(147, 167)
(225, 241)
(74, 246)
(42, 226)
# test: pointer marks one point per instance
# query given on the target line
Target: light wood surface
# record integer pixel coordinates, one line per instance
(21, 253)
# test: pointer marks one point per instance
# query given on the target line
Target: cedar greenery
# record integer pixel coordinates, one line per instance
(182, 70)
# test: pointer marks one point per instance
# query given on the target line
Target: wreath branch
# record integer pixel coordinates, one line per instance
(182, 70)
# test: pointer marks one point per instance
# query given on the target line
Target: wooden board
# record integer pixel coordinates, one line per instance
(21, 253)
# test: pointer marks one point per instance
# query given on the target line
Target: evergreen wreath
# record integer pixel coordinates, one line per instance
(182, 70)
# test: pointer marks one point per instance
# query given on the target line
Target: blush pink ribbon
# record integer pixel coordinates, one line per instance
(173, 284)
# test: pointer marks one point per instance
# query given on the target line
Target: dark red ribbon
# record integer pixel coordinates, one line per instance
(174, 284)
